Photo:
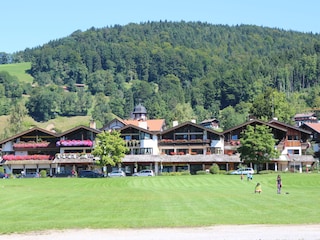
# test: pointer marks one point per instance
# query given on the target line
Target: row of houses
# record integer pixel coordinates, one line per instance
(184, 147)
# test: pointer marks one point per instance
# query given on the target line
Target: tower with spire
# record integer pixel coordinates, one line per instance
(139, 113)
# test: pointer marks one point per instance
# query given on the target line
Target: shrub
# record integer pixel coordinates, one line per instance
(266, 171)
(43, 173)
(185, 173)
(175, 173)
(166, 174)
(201, 172)
(214, 169)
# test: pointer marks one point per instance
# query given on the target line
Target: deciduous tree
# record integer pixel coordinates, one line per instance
(257, 145)
(18, 112)
(270, 104)
(110, 148)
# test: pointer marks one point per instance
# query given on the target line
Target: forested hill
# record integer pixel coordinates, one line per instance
(178, 70)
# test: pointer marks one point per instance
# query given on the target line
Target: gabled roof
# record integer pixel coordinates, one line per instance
(135, 127)
(191, 124)
(116, 119)
(254, 121)
(209, 120)
(153, 125)
(309, 114)
(78, 128)
(28, 131)
(313, 126)
(285, 125)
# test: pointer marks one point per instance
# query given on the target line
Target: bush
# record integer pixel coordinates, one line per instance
(43, 173)
(175, 173)
(185, 173)
(168, 174)
(266, 171)
(223, 172)
(201, 172)
(214, 169)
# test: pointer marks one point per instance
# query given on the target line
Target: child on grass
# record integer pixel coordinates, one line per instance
(258, 188)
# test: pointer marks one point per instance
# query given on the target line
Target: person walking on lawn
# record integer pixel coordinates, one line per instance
(279, 184)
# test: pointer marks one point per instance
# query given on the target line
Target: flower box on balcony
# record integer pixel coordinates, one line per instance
(31, 144)
(181, 141)
(74, 143)
(196, 140)
(27, 157)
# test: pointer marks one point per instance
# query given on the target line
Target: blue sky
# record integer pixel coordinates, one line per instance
(27, 24)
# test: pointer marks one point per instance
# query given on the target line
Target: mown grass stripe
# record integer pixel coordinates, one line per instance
(168, 201)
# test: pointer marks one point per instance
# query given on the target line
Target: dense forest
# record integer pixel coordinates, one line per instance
(178, 70)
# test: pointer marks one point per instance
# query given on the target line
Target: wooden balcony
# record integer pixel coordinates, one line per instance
(169, 142)
(232, 145)
(292, 143)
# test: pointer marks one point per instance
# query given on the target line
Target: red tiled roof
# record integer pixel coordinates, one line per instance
(314, 126)
(154, 125)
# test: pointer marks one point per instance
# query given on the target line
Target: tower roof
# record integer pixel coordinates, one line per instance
(139, 109)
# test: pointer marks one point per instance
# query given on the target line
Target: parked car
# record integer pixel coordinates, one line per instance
(3, 175)
(90, 174)
(243, 171)
(63, 174)
(117, 173)
(143, 173)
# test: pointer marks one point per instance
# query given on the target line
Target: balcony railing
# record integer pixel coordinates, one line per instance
(182, 141)
(292, 143)
(74, 155)
(132, 143)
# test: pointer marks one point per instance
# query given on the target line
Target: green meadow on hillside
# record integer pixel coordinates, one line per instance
(59, 124)
(19, 70)
(161, 201)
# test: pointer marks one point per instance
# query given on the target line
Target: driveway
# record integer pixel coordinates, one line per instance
(225, 232)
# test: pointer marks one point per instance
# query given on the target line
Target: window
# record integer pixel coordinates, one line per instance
(293, 151)
(127, 138)
(234, 137)
(181, 136)
(293, 137)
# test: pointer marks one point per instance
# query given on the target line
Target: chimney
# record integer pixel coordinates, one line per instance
(143, 124)
(92, 124)
(175, 123)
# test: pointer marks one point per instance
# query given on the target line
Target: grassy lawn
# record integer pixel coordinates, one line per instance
(181, 201)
